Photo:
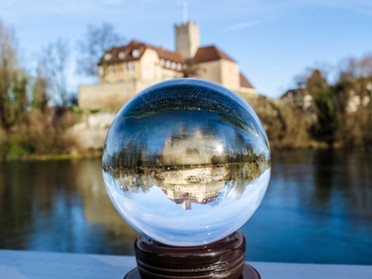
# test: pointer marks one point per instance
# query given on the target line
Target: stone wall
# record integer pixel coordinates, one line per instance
(108, 96)
(91, 132)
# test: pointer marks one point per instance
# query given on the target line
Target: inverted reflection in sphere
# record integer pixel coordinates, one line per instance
(186, 162)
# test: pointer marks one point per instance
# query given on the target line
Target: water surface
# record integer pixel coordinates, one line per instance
(318, 209)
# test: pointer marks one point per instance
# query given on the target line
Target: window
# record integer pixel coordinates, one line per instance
(369, 86)
(121, 55)
(111, 69)
(101, 71)
(179, 67)
(108, 56)
(173, 66)
(162, 62)
(129, 67)
(135, 53)
(167, 64)
(308, 98)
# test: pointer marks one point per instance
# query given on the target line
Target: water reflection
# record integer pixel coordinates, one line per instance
(324, 175)
(59, 206)
(319, 207)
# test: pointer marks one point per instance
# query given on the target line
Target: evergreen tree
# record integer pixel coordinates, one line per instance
(8, 66)
(325, 125)
(40, 96)
(19, 95)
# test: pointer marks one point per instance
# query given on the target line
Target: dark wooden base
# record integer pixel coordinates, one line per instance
(248, 273)
(224, 259)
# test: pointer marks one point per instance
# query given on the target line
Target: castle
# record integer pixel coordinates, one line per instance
(126, 70)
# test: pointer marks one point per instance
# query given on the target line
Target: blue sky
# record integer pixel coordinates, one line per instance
(272, 40)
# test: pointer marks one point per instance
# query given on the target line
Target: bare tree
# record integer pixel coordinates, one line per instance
(55, 60)
(96, 41)
(356, 67)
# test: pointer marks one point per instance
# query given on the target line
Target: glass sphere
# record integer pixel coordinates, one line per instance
(186, 162)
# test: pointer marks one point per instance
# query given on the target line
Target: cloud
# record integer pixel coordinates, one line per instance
(242, 25)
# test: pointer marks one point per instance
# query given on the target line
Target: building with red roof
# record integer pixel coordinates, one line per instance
(126, 70)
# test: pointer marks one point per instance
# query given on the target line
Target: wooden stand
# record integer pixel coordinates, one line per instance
(224, 259)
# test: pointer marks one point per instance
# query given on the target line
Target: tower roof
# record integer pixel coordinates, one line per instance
(244, 82)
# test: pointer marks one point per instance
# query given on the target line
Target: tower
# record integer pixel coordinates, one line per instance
(187, 39)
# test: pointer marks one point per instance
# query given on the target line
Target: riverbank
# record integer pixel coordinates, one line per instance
(81, 134)
(92, 153)
(54, 157)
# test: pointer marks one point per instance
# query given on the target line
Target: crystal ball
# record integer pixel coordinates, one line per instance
(186, 162)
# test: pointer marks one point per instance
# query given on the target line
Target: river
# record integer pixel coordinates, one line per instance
(318, 209)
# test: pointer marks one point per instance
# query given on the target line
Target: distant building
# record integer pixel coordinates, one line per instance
(126, 70)
(356, 101)
(300, 97)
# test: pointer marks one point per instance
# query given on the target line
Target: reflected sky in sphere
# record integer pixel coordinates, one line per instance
(186, 162)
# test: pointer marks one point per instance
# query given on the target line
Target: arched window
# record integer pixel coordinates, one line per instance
(135, 53)
(108, 56)
(121, 55)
